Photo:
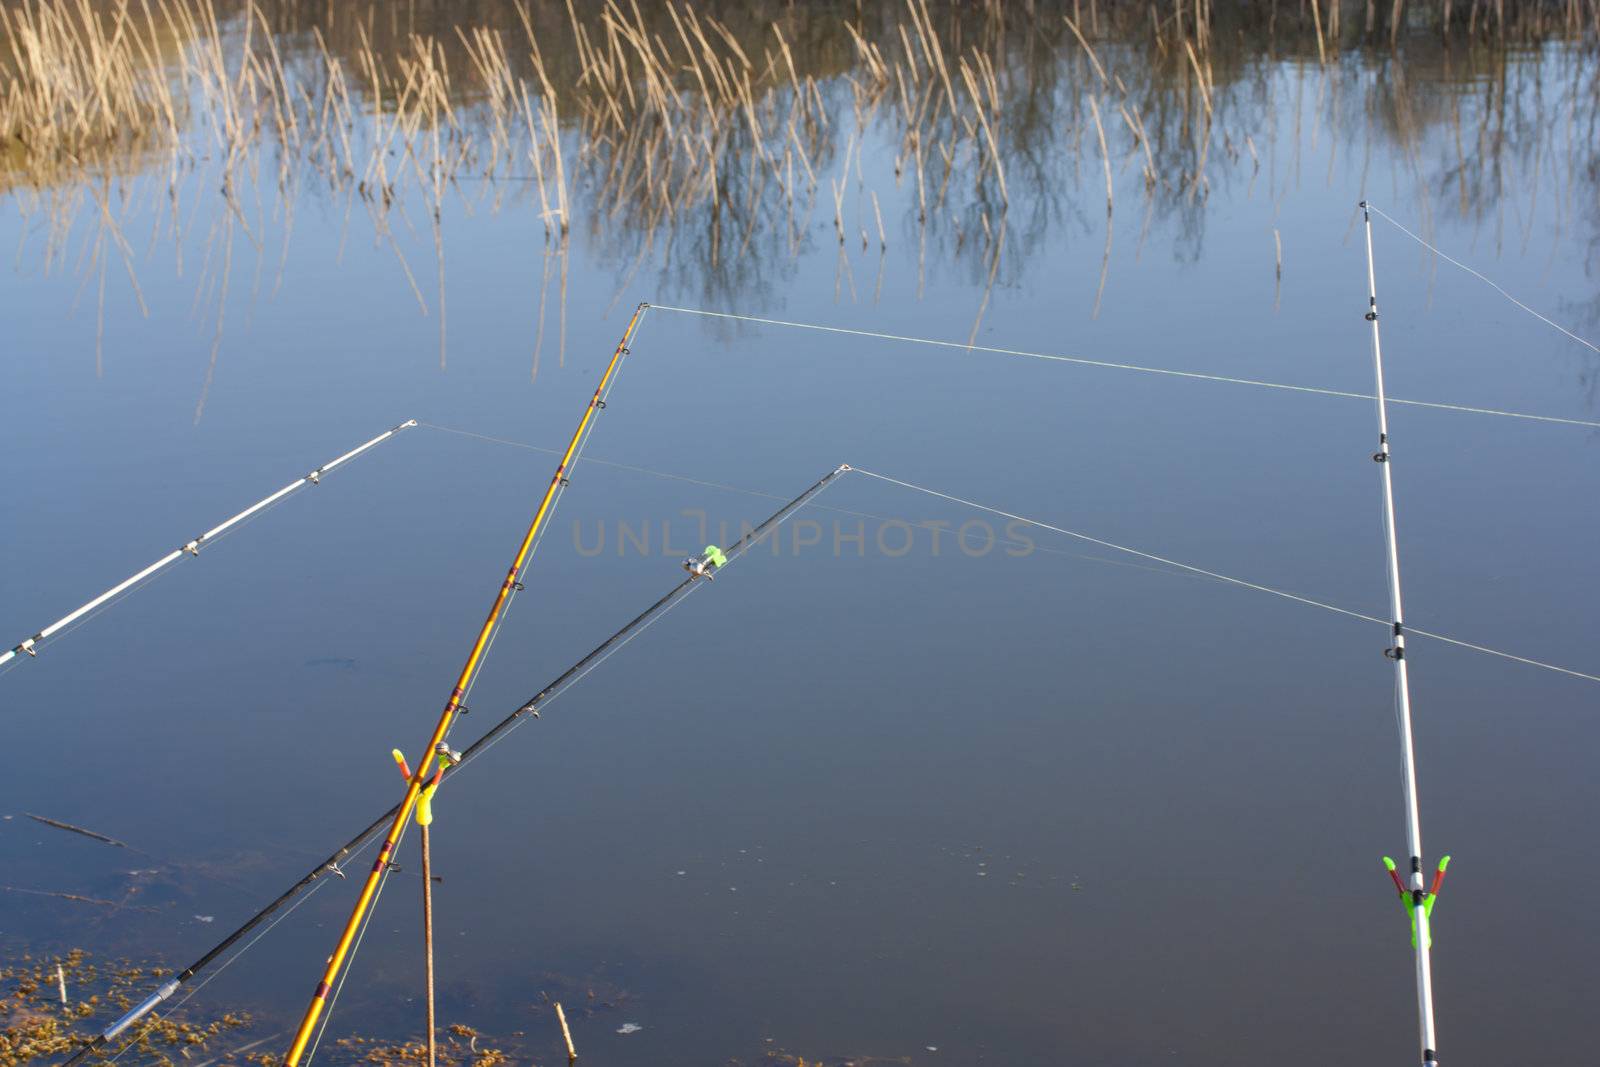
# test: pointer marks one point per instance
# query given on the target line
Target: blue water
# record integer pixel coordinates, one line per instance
(1025, 805)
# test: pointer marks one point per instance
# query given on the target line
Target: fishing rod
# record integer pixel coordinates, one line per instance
(698, 567)
(29, 646)
(1420, 899)
(453, 705)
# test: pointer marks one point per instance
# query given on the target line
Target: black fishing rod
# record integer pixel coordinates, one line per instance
(705, 565)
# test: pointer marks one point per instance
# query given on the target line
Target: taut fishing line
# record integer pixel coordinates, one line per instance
(1496, 286)
(1109, 365)
(354, 952)
(143, 583)
(1229, 579)
(553, 697)
(854, 513)
(229, 962)
(517, 585)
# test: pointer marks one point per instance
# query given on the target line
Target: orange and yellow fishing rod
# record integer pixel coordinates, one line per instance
(418, 779)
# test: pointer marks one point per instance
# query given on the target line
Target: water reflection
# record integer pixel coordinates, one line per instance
(706, 149)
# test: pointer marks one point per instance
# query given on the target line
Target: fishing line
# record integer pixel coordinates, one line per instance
(145, 583)
(214, 975)
(517, 586)
(605, 462)
(30, 646)
(960, 537)
(1229, 579)
(1107, 364)
(68, 631)
(354, 952)
(553, 697)
(1496, 286)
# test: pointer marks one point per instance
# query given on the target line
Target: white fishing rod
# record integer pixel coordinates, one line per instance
(1414, 892)
(29, 646)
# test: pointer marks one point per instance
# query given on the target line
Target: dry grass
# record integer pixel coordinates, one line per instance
(83, 81)
(656, 102)
(664, 123)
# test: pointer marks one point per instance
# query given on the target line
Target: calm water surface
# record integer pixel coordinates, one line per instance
(944, 803)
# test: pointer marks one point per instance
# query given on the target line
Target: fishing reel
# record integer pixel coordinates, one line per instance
(707, 563)
(700, 567)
